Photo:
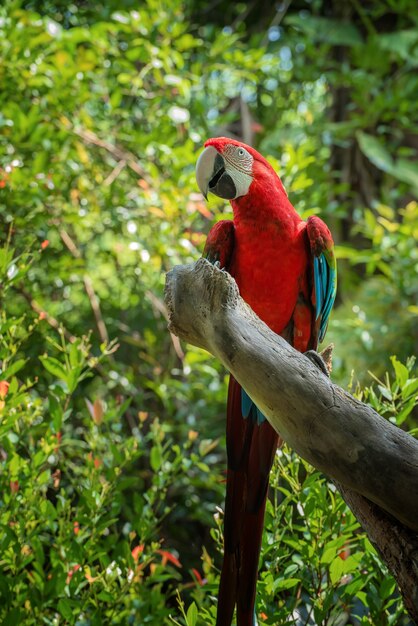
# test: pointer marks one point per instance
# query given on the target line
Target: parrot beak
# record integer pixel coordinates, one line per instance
(211, 175)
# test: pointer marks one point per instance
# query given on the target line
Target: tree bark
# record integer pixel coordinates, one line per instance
(374, 463)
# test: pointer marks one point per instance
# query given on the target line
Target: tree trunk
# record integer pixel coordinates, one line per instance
(374, 463)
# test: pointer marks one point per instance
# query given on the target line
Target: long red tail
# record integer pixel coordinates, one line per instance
(251, 447)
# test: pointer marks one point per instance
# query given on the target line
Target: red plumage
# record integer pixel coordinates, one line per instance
(268, 249)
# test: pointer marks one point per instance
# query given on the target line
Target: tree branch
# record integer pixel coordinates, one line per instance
(88, 285)
(123, 156)
(374, 463)
(397, 545)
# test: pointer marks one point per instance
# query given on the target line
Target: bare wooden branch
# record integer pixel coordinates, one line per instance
(114, 173)
(88, 285)
(339, 435)
(373, 463)
(95, 305)
(54, 323)
(120, 154)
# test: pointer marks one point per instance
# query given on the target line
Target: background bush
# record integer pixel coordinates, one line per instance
(112, 452)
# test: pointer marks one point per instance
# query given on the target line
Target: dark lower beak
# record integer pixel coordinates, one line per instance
(221, 183)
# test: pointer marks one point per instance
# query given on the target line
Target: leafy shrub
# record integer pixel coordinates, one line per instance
(84, 496)
(318, 567)
(382, 312)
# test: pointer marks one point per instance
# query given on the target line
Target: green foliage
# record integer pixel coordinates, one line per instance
(318, 567)
(111, 466)
(70, 476)
(382, 313)
(83, 501)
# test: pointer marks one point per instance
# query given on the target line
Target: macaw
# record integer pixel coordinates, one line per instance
(285, 269)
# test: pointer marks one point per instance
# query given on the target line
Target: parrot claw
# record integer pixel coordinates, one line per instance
(317, 360)
(218, 265)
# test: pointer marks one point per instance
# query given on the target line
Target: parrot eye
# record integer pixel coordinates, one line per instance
(239, 165)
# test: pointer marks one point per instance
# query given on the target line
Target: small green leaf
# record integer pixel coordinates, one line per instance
(74, 378)
(56, 412)
(401, 371)
(47, 509)
(44, 477)
(329, 555)
(155, 458)
(387, 587)
(74, 354)
(14, 386)
(14, 368)
(402, 169)
(14, 466)
(406, 410)
(386, 393)
(284, 583)
(375, 152)
(64, 607)
(54, 367)
(410, 388)
(354, 586)
(191, 616)
(106, 596)
(337, 570)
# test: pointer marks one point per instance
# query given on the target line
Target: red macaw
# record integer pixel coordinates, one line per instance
(285, 269)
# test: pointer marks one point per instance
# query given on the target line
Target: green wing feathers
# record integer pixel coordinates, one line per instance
(324, 272)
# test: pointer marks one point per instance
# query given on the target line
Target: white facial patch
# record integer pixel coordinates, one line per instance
(239, 165)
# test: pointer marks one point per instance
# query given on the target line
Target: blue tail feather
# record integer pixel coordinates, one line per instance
(249, 409)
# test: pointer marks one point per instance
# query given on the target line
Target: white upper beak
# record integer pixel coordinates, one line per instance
(204, 169)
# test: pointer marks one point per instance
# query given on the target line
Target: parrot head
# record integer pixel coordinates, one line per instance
(228, 169)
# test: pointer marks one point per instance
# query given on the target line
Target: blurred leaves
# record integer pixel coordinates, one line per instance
(375, 151)
(325, 29)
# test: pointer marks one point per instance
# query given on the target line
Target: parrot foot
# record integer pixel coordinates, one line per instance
(218, 265)
(318, 360)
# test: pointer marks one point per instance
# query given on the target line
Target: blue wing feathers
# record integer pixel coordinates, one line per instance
(325, 283)
(324, 271)
(318, 286)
